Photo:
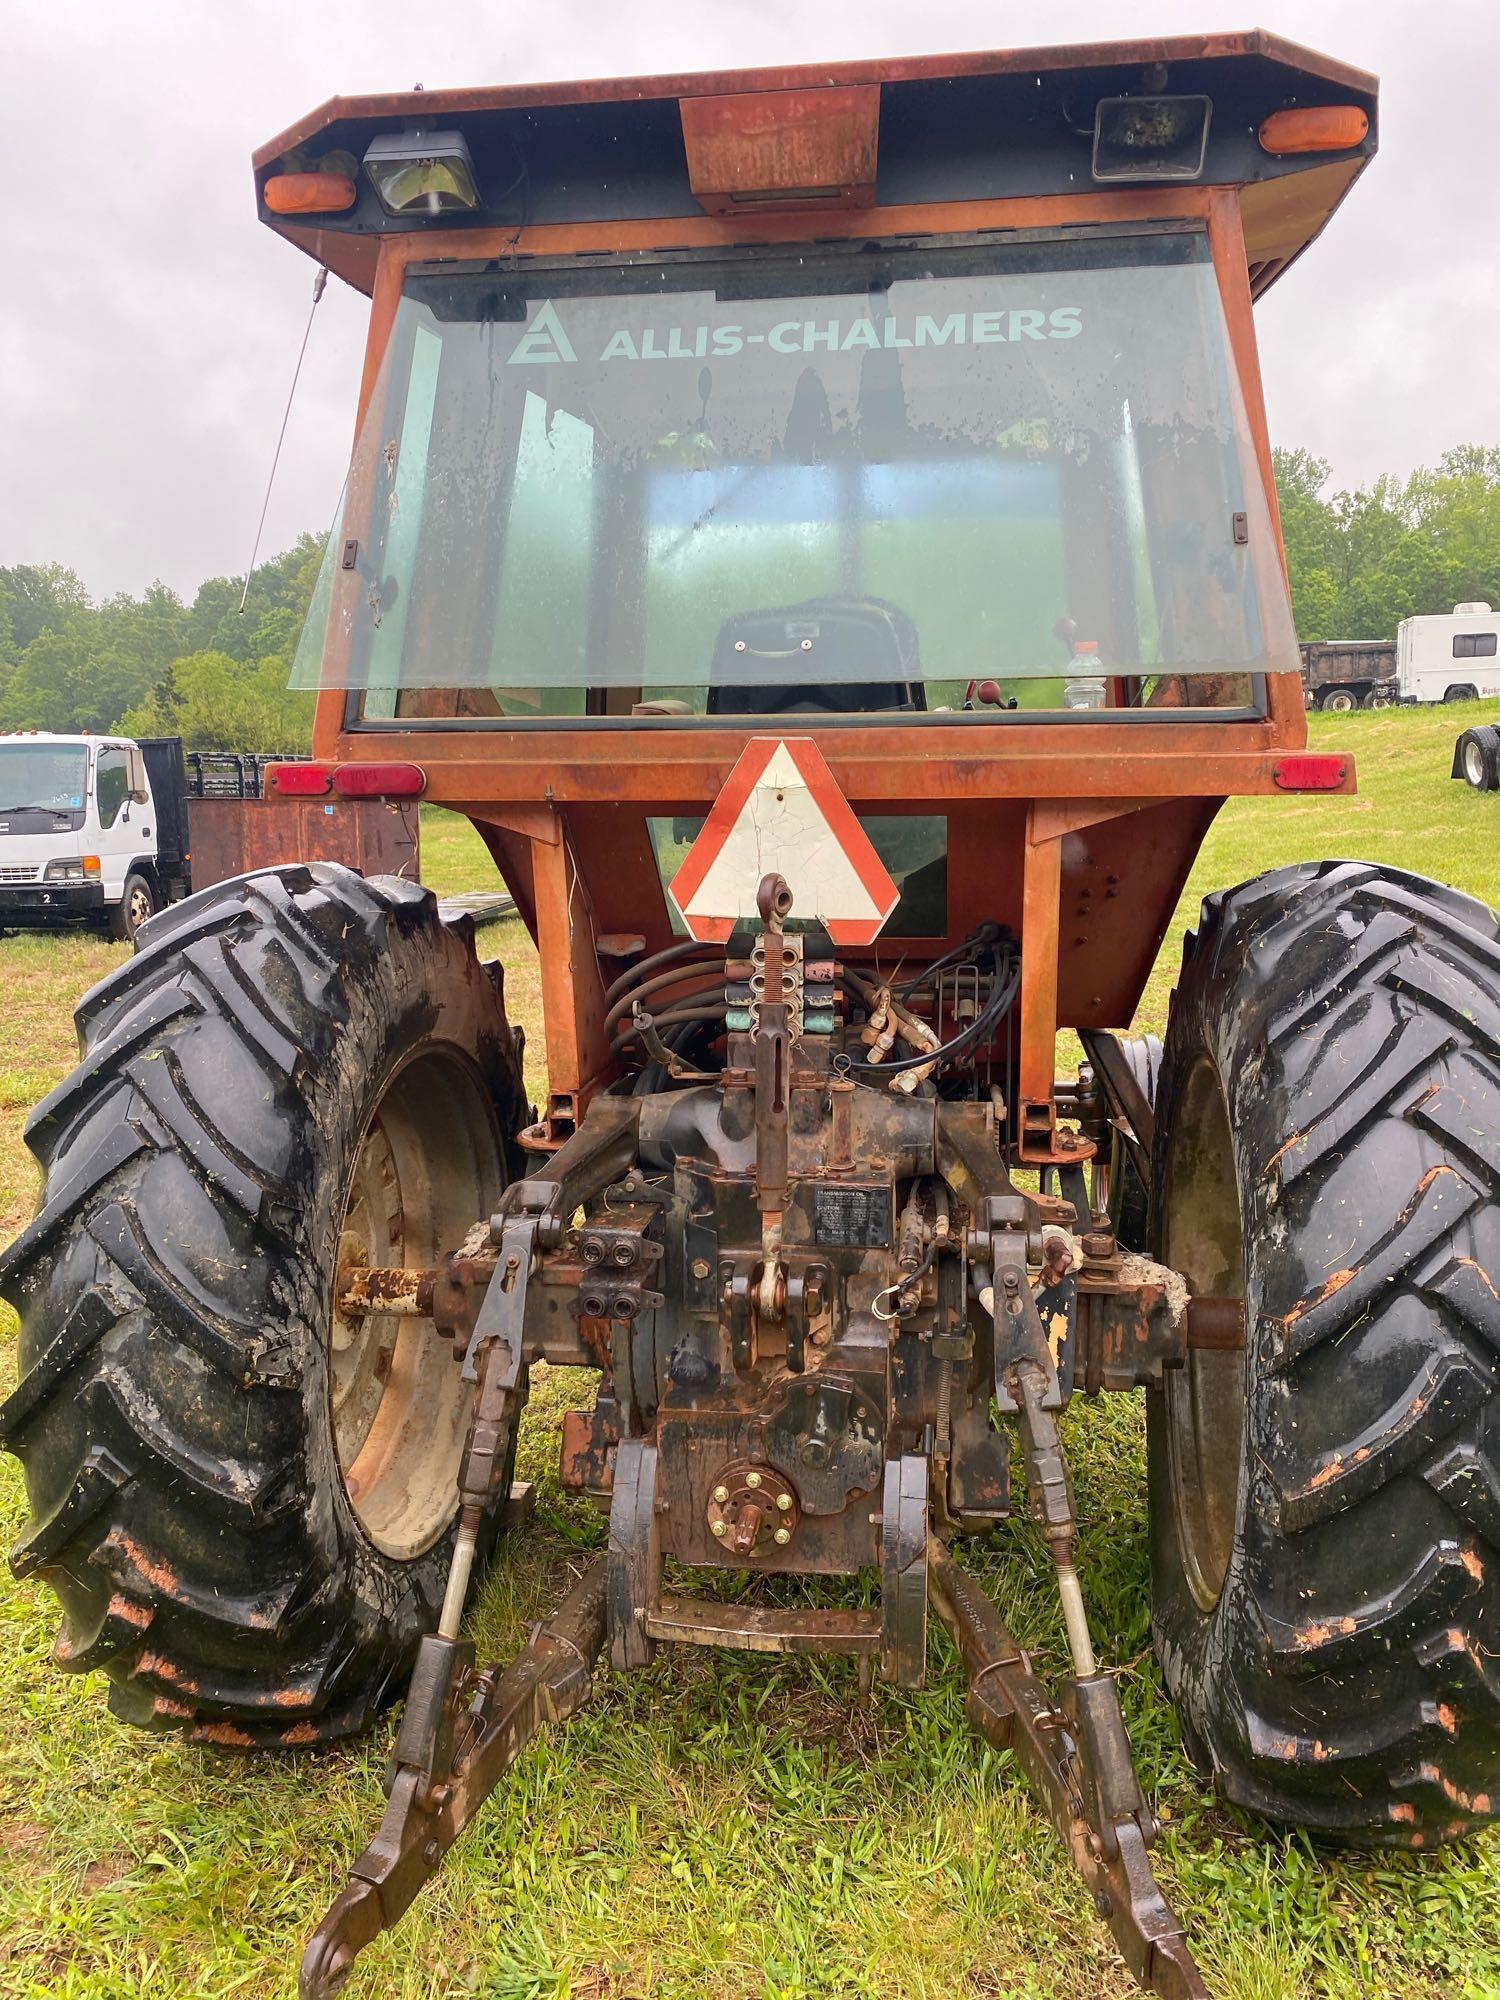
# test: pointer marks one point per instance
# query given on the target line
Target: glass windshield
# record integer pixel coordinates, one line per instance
(1006, 474)
(46, 777)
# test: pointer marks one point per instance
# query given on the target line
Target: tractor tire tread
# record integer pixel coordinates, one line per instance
(1341, 1681)
(196, 1561)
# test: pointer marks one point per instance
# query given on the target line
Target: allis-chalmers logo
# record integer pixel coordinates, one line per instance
(546, 338)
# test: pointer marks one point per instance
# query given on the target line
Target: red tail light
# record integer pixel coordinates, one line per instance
(379, 781)
(1310, 774)
(298, 780)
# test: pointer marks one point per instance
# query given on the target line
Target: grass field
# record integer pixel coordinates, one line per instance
(716, 1827)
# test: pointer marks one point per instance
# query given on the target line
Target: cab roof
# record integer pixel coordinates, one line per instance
(942, 128)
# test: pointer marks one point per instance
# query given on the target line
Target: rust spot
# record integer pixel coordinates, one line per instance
(1317, 1634)
(1447, 1719)
(300, 1732)
(153, 1571)
(1482, 1274)
(1296, 1139)
(1346, 1623)
(169, 1710)
(1326, 1472)
(1405, 1812)
(224, 1733)
(130, 1611)
(292, 1698)
(1471, 1562)
(1335, 1283)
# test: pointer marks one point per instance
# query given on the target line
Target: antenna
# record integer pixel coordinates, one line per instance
(318, 283)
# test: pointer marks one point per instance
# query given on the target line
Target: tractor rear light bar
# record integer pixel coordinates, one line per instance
(379, 781)
(347, 781)
(1310, 773)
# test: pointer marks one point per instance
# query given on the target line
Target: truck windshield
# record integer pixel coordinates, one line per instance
(43, 777)
(1007, 474)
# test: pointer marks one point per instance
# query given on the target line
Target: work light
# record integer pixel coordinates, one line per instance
(422, 172)
(1150, 138)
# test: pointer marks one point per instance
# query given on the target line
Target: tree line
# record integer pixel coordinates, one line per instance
(154, 666)
(1359, 562)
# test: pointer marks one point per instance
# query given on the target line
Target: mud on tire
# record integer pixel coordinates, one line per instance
(1329, 1620)
(174, 1414)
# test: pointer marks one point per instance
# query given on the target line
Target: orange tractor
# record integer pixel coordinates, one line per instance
(819, 527)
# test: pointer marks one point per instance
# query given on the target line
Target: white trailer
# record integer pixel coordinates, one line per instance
(1447, 657)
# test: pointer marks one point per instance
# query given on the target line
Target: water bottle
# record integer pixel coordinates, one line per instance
(1085, 686)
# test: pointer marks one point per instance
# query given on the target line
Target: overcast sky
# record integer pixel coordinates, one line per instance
(148, 323)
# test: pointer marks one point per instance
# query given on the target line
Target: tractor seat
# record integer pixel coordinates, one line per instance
(804, 659)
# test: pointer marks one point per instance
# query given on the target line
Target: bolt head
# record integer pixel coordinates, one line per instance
(783, 1503)
(752, 1479)
(721, 1527)
(701, 1267)
(721, 1494)
(783, 1536)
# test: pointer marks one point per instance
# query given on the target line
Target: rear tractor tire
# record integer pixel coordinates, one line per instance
(243, 1501)
(1325, 1506)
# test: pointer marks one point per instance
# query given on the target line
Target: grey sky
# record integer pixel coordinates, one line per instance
(148, 324)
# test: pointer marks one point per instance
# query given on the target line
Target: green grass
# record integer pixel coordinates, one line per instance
(717, 1827)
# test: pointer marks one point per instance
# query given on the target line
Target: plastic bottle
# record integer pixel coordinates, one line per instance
(1085, 686)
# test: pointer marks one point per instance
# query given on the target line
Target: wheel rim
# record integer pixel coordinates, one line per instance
(427, 1167)
(139, 907)
(1474, 765)
(1339, 704)
(1205, 1398)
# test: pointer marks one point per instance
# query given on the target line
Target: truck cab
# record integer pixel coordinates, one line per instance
(78, 832)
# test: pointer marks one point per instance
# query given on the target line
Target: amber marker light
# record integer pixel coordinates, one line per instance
(1315, 128)
(309, 194)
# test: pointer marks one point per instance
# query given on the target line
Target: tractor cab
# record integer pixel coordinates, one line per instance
(915, 405)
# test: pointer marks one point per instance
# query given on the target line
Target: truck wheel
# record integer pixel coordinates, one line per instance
(1338, 701)
(1464, 693)
(1477, 758)
(244, 1502)
(1325, 1506)
(136, 904)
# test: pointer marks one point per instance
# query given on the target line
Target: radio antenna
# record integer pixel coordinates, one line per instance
(318, 283)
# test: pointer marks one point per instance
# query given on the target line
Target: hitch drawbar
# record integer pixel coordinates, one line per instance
(462, 1730)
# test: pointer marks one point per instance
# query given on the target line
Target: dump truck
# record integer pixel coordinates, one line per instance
(104, 831)
(818, 525)
(1343, 674)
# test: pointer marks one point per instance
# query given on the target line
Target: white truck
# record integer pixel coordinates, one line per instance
(85, 835)
(1449, 657)
(104, 831)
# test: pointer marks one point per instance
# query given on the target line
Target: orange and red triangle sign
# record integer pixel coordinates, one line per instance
(781, 811)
